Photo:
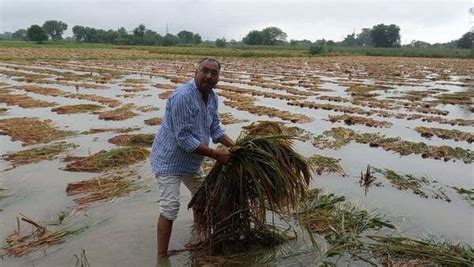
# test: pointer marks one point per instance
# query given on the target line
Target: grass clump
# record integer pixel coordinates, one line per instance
(37, 154)
(106, 160)
(456, 135)
(41, 90)
(73, 109)
(467, 193)
(345, 229)
(24, 101)
(145, 140)
(118, 114)
(148, 108)
(350, 120)
(418, 185)
(337, 137)
(102, 189)
(404, 251)
(227, 118)
(326, 164)
(31, 130)
(115, 130)
(19, 244)
(153, 121)
(264, 174)
(458, 98)
(81, 260)
(341, 224)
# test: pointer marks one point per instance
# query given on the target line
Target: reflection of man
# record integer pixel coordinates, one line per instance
(190, 121)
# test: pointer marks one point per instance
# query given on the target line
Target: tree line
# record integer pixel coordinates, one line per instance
(380, 35)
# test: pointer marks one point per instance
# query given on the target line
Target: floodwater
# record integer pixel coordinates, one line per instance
(122, 232)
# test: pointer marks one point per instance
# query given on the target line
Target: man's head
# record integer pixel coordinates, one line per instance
(207, 73)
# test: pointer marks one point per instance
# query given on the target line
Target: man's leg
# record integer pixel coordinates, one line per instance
(168, 187)
(164, 228)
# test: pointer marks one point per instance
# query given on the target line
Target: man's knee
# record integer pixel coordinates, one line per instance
(169, 210)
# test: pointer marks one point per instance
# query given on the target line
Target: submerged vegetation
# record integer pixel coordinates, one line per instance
(456, 135)
(34, 155)
(19, 243)
(349, 233)
(103, 188)
(349, 120)
(118, 114)
(31, 130)
(399, 251)
(323, 164)
(418, 185)
(153, 121)
(73, 109)
(145, 140)
(106, 160)
(337, 137)
(468, 194)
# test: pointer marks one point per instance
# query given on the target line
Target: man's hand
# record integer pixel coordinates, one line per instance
(222, 155)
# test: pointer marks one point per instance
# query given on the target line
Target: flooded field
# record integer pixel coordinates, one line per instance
(75, 140)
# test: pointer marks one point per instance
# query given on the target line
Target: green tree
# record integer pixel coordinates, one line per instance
(197, 39)
(385, 35)
(318, 48)
(19, 35)
(350, 40)
(152, 38)
(139, 32)
(185, 37)
(37, 34)
(364, 38)
(273, 36)
(79, 32)
(253, 38)
(221, 42)
(169, 40)
(55, 29)
(466, 40)
(90, 35)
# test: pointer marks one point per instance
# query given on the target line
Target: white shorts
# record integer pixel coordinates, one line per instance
(168, 188)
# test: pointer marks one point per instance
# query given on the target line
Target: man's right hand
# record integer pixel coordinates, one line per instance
(222, 155)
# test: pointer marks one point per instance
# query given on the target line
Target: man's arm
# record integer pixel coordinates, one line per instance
(221, 155)
(226, 141)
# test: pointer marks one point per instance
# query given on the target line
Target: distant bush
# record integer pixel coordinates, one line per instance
(317, 49)
(221, 42)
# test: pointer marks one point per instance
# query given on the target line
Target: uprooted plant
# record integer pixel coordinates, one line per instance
(264, 174)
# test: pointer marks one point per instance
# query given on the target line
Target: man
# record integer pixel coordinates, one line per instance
(179, 147)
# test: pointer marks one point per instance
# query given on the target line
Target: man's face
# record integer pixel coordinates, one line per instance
(207, 75)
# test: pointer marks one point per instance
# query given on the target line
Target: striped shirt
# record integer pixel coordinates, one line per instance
(188, 122)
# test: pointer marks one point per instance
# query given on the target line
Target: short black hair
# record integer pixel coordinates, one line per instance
(211, 59)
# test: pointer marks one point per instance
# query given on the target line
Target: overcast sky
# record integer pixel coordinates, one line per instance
(431, 21)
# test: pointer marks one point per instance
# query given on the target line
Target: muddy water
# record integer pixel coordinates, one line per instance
(122, 232)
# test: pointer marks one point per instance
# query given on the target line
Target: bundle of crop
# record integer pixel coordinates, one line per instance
(264, 174)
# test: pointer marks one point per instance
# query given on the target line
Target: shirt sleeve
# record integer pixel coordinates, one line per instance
(183, 114)
(216, 131)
